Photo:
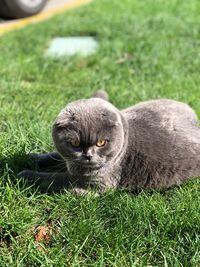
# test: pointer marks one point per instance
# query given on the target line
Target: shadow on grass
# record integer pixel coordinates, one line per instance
(14, 164)
(10, 167)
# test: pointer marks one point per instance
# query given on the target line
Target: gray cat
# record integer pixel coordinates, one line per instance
(154, 144)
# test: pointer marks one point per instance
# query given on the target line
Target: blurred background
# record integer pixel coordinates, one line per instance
(14, 9)
(15, 14)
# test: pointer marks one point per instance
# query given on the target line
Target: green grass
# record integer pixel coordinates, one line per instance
(118, 228)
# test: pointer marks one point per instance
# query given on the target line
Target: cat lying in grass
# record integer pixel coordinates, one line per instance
(154, 144)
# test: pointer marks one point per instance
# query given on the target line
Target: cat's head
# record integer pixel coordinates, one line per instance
(89, 132)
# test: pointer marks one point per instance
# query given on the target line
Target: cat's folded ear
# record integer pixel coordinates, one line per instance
(110, 118)
(111, 123)
(63, 119)
(60, 124)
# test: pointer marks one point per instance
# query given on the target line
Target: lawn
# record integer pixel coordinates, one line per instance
(162, 40)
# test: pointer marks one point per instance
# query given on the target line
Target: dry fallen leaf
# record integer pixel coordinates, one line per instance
(124, 58)
(42, 233)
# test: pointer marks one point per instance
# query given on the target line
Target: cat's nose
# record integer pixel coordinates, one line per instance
(88, 156)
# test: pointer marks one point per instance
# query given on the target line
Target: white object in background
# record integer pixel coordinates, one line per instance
(70, 46)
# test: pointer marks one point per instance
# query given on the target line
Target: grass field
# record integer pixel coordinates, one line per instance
(162, 39)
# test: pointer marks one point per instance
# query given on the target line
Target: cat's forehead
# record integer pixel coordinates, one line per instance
(87, 116)
(91, 111)
(90, 105)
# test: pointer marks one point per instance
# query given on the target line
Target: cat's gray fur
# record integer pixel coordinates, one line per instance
(154, 144)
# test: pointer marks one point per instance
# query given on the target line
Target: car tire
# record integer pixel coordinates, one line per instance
(15, 9)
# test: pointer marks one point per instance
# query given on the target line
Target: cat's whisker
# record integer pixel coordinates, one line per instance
(58, 160)
(57, 167)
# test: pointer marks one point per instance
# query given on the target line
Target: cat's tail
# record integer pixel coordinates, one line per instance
(101, 94)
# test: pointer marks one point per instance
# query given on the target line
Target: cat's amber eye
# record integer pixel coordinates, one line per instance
(101, 142)
(75, 143)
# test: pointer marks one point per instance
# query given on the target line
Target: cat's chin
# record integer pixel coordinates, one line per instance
(90, 164)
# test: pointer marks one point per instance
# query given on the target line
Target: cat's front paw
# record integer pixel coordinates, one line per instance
(27, 175)
(83, 192)
(33, 160)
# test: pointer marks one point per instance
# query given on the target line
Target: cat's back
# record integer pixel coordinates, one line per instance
(163, 145)
(163, 128)
(160, 111)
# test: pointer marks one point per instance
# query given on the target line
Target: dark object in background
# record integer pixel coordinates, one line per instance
(14, 9)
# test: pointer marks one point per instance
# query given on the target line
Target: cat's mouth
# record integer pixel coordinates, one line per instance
(85, 163)
(89, 164)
